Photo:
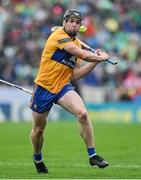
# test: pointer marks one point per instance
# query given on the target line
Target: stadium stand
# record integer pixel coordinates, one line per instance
(114, 26)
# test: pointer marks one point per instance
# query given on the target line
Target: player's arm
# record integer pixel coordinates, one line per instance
(85, 54)
(80, 71)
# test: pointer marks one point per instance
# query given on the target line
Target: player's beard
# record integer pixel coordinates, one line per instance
(72, 34)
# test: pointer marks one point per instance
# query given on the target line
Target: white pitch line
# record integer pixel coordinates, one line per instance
(129, 166)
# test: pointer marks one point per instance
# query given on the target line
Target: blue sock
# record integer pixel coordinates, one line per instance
(91, 152)
(38, 157)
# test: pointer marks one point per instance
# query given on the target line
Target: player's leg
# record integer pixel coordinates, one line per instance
(41, 103)
(37, 139)
(39, 123)
(73, 103)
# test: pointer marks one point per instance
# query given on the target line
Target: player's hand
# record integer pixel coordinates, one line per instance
(103, 55)
(97, 52)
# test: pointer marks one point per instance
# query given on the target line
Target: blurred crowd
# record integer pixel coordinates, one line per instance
(112, 25)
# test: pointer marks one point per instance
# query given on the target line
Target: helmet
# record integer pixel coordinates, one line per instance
(72, 13)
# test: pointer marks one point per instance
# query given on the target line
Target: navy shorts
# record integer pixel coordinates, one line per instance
(43, 99)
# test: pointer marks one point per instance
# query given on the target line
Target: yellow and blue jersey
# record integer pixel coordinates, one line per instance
(56, 64)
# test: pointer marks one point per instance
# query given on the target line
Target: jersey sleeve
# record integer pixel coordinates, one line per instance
(62, 40)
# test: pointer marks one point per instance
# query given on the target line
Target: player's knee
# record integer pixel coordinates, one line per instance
(39, 131)
(83, 116)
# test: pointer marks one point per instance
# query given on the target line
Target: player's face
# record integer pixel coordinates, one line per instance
(72, 25)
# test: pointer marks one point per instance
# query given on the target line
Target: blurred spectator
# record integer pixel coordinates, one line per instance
(3, 19)
(130, 89)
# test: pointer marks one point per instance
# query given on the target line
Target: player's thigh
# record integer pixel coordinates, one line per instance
(39, 119)
(72, 102)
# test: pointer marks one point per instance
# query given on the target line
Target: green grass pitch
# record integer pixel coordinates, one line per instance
(65, 154)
